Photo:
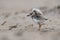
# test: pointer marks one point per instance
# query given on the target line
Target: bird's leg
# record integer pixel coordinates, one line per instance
(39, 26)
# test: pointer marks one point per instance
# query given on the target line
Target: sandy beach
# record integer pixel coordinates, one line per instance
(15, 25)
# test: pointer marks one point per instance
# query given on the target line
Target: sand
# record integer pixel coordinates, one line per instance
(15, 25)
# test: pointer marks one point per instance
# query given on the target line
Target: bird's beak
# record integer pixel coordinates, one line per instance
(28, 15)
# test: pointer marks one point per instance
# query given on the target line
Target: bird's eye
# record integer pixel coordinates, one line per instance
(30, 13)
(34, 11)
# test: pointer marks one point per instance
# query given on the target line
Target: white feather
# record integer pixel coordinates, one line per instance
(37, 10)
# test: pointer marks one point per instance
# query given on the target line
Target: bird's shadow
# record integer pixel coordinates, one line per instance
(47, 30)
(44, 30)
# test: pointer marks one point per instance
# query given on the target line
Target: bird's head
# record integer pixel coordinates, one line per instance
(35, 12)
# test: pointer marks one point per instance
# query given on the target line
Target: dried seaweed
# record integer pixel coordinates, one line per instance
(11, 27)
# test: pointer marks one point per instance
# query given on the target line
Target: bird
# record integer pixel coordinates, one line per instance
(37, 16)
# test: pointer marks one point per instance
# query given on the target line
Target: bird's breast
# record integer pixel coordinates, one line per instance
(35, 20)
